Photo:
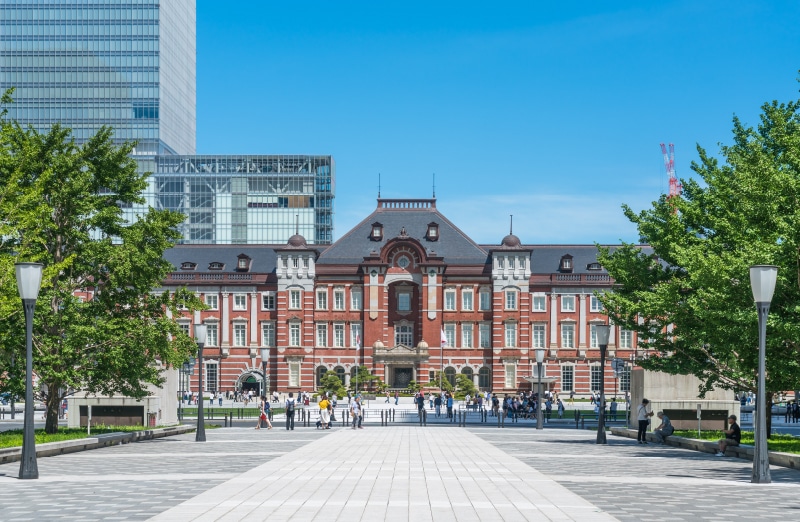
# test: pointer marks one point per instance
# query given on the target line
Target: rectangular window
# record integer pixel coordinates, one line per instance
(511, 335)
(450, 334)
(267, 334)
(511, 376)
(595, 305)
(626, 339)
(403, 301)
(294, 334)
(240, 301)
(322, 299)
(338, 299)
(355, 335)
(567, 303)
(567, 378)
(322, 335)
(355, 299)
(211, 380)
(294, 299)
(466, 300)
(539, 335)
(338, 335)
(511, 299)
(485, 299)
(625, 379)
(539, 301)
(485, 335)
(450, 299)
(211, 335)
(268, 301)
(294, 374)
(593, 336)
(466, 335)
(597, 371)
(212, 301)
(404, 335)
(568, 335)
(240, 334)
(185, 328)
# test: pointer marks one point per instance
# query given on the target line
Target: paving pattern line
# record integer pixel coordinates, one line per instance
(403, 474)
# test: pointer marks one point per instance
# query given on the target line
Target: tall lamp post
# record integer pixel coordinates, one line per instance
(200, 337)
(539, 361)
(264, 357)
(762, 282)
(602, 331)
(29, 280)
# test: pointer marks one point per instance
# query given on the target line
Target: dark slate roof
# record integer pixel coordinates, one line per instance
(263, 258)
(452, 245)
(546, 259)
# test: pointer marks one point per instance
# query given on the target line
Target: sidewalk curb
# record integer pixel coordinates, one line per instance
(101, 441)
(777, 458)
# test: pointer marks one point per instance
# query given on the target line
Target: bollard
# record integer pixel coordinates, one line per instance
(424, 418)
(226, 420)
(577, 418)
(382, 420)
(498, 421)
(420, 416)
(504, 420)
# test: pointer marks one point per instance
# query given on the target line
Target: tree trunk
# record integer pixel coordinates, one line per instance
(53, 404)
(768, 412)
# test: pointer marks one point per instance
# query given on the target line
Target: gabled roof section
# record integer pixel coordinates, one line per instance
(262, 258)
(546, 259)
(412, 217)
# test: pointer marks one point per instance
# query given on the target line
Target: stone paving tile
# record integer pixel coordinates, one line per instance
(139, 480)
(634, 482)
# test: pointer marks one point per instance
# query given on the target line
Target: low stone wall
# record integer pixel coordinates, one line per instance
(787, 460)
(100, 441)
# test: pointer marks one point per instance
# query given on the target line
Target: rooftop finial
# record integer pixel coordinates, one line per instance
(379, 185)
(434, 185)
(511, 228)
(297, 223)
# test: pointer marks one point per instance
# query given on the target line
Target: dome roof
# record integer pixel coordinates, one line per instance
(422, 345)
(378, 345)
(297, 241)
(511, 241)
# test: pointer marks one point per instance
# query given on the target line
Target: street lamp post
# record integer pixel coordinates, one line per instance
(762, 282)
(200, 336)
(264, 357)
(29, 280)
(539, 361)
(602, 331)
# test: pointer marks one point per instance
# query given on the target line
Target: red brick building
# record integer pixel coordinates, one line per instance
(405, 293)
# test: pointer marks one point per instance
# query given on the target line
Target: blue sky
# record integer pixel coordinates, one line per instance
(551, 113)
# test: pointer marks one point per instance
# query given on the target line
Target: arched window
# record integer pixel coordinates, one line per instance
(321, 371)
(485, 378)
(339, 373)
(450, 375)
(467, 371)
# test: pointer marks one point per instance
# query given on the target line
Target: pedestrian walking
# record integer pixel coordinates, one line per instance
(262, 417)
(355, 411)
(290, 404)
(614, 407)
(324, 412)
(643, 415)
(396, 397)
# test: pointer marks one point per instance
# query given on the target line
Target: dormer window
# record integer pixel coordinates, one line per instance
(377, 232)
(433, 231)
(216, 265)
(594, 266)
(243, 262)
(188, 265)
(566, 263)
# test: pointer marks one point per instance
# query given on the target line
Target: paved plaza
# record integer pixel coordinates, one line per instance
(399, 472)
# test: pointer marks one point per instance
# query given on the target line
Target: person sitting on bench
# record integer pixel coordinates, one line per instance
(665, 429)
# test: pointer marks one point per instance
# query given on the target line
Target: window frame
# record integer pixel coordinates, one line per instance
(511, 299)
(536, 301)
(564, 329)
(237, 305)
(268, 334)
(356, 299)
(510, 334)
(484, 341)
(467, 299)
(595, 305)
(211, 297)
(467, 335)
(295, 299)
(449, 299)
(321, 299)
(338, 335)
(321, 335)
(338, 298)
(240, 328)
(295, 334)
(266, 299)
(484, 294)
(565, 299)
(567, 385)
(539, 330)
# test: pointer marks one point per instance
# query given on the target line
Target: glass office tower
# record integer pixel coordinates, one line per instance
(245, 199)
(129, 64)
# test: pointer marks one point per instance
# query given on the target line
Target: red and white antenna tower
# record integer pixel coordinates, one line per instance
(669, 163)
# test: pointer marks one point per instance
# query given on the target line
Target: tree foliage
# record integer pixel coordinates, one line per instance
(690, 298)
(60, 205)
(331, 384)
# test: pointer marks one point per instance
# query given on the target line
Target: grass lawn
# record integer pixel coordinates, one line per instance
(778, 442)
(13, 438)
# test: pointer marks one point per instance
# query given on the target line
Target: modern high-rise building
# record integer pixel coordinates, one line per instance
(244, 199)
(131, 65)
(127, 64)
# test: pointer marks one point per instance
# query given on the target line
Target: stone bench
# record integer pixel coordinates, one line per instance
(744, 451)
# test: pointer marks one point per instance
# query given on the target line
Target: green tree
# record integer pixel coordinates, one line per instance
(440, 379)
(414, 386)
(331, 384)
(690, 299)
(60, 205)
(465, 385)
(366, 380)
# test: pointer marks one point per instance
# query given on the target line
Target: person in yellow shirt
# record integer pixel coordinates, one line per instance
(324, 411)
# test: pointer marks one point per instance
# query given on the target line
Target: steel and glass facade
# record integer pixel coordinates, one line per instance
(244, 199)
(128, 64)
